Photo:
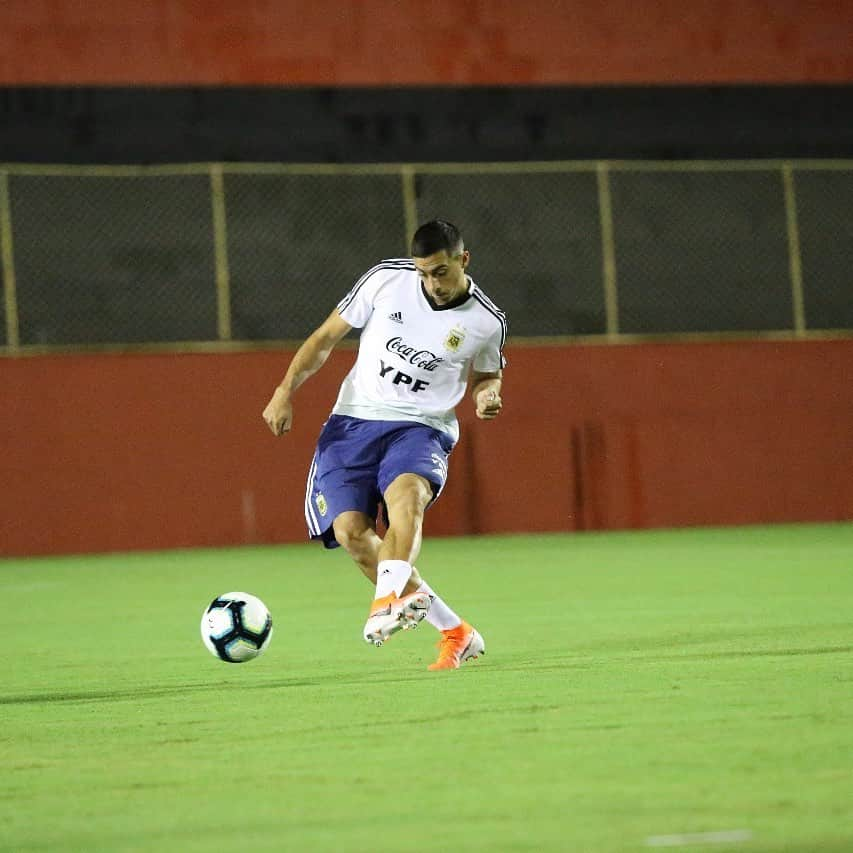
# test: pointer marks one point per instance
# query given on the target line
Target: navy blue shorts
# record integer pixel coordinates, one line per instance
(356, 461)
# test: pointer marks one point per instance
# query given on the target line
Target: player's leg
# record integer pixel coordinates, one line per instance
(356, 533)
(394, 608)
(341, 501)
(406, 500)
(412, 474)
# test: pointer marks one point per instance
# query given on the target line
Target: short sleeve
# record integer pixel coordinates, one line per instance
(490, 357)
(357, 306)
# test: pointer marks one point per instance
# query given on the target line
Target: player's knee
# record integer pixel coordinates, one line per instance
(408, 495)
(356, 539)
(349, 538)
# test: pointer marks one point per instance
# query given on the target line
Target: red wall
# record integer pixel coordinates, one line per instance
(386, 42)
(113, 452)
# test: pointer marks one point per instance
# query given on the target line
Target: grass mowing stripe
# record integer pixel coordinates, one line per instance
(726, 836)
(687, 681)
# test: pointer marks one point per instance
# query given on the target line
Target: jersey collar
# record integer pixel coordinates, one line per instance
(461, 300)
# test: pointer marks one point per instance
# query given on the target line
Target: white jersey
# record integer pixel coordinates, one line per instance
(414, 359)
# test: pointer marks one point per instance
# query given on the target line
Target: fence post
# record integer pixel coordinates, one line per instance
(410, 204)
(608, 250)
(7, 255)
(220, 252)
(795, 262)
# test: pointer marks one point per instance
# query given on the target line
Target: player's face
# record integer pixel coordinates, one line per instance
(443, 276)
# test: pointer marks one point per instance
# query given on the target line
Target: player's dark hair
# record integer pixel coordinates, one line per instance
(437, 236)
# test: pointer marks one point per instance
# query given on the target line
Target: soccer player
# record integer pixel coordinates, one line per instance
(428, 332)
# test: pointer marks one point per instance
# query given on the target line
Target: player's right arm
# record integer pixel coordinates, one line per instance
(309, 358)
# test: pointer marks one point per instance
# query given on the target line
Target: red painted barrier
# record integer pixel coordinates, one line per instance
(115, 452)
(391, 42)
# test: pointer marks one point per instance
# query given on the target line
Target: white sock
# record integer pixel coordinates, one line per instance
(392, 576)
(439, 614)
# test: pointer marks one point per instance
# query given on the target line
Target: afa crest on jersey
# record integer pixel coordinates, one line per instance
(454, 339)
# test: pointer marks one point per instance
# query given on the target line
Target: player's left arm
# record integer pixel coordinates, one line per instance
(486, 391)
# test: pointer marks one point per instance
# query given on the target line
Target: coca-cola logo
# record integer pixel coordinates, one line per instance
(422, 358)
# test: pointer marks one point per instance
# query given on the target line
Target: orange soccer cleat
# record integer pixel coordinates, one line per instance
(458, 645)
(391, 614)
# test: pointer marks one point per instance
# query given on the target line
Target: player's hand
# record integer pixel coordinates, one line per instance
(279, 413)
(488, 404)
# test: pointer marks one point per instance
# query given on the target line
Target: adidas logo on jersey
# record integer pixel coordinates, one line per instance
(397, 316)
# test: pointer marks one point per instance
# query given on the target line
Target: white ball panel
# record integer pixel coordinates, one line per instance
(240, 650)
(218, 622)
(254, 614)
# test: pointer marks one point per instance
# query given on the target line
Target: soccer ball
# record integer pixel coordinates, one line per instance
(236, 627)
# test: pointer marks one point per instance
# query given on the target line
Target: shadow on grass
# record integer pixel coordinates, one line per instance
(756, 653)
(333, 679)
(581, 661)
(136, 693)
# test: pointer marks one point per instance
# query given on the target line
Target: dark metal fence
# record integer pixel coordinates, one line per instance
(130, 256)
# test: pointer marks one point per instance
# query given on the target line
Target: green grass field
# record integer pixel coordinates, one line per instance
(636, 686)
